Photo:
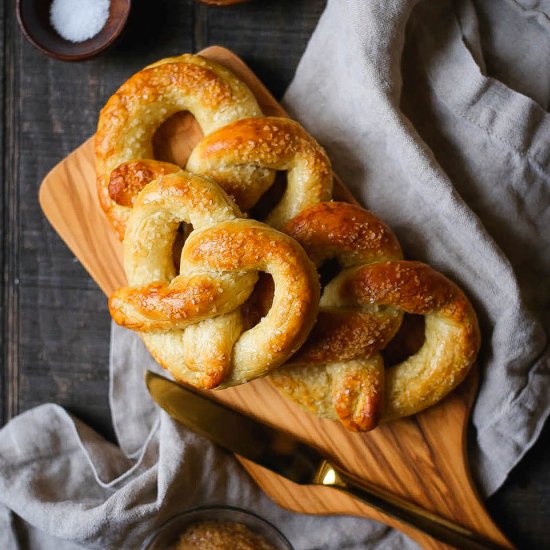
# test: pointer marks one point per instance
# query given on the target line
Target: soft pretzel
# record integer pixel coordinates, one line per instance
(354, 237)
(192, 322)
(203, 314)
(130, 118)
(342, 347)
(452, 336)
(242, 155)
(338, 372)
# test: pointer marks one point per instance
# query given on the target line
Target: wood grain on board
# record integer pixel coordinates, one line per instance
(421, 459)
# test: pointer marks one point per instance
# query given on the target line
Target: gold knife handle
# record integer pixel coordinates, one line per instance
(410, 514)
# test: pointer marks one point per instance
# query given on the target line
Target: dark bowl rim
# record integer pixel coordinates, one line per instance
(76, 57)
(214, 507)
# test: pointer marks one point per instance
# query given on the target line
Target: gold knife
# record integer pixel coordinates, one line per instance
(293, 459)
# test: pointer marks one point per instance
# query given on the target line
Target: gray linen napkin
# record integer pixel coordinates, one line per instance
(75, 489)
(457, 163)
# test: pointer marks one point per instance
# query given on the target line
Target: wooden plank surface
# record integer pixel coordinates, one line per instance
(54, 318)
(4, 384)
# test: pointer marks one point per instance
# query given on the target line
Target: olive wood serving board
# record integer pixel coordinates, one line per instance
(422, 459)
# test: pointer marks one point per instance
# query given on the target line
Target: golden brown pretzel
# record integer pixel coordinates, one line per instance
(452, 336)
(354, 237)
(130, 118)
(338, 372)
(197, 312)
(243, 156)
(192, 322)
(339, 364)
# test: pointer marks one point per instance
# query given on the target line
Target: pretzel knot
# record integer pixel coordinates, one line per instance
(244, 155)
(192, 322)
(338, 373)
(130, 118)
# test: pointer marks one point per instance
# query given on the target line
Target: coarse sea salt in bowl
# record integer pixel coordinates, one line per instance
(72, 30)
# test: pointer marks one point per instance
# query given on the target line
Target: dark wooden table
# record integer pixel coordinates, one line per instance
(55, 323)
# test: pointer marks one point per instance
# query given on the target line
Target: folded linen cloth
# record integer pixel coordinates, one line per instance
(457, 163)
(78, 490)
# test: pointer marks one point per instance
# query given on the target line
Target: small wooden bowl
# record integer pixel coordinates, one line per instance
(34, 19)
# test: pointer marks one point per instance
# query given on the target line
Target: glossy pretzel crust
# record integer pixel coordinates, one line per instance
(131, 116)
(450, 348)
(243, 157)
(195, 322)
(338, 373)
(192, 321)
(354, 237)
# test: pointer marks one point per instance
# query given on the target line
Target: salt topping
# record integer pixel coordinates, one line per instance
(79, 20)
